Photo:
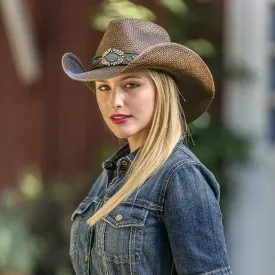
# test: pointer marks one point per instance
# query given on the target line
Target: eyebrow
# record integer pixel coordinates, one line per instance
(122, 78)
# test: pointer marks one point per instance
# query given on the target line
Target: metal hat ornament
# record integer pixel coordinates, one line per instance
(134, 44)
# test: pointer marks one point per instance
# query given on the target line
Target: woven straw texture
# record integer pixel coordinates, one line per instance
(154, 50)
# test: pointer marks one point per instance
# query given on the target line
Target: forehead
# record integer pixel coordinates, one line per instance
(123, 76)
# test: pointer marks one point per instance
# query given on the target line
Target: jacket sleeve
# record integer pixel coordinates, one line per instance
(193, 220)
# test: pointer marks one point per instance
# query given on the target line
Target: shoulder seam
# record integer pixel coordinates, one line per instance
(183, 150)
(170, 173)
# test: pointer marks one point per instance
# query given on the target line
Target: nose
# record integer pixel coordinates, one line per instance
(116, 97)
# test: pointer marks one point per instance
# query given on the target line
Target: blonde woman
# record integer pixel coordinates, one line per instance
(154, 209)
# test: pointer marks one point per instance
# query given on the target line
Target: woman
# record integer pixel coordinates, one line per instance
(154, 209)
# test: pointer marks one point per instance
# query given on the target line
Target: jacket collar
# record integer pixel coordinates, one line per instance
(123, 156)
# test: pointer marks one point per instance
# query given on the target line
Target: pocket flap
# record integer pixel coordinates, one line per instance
(83, 206)
(127, 215)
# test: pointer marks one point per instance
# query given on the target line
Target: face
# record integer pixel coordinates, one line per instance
(130, 94)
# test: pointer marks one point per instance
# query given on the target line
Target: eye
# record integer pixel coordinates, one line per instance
(103, 88)
(132, 85)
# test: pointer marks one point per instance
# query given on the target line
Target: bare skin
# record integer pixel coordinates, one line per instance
(129, 94)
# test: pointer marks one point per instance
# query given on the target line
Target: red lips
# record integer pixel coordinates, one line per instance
(120, 120)
(119, 115)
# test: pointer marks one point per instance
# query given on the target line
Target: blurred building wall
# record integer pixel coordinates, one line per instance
(53, 123)
(248, 108)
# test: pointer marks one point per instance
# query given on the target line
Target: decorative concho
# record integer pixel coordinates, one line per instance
(112, 57)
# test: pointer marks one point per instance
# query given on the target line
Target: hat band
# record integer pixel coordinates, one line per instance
(112, 57)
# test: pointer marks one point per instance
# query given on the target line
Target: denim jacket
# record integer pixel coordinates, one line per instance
(172, 225)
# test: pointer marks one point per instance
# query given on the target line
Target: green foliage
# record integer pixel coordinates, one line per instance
(202, 47)
(16, 245)
(34, 230)
(214, 143)
(216, 146)
(178, 7)
(114, 9)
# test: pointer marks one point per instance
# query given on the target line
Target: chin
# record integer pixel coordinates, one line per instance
(124, 134)
(120, 135)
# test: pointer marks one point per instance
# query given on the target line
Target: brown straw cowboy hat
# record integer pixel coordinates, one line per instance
(133, 44)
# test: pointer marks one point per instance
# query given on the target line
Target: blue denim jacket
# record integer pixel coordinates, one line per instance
(173, 225)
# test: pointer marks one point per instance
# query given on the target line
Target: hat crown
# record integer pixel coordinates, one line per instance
(132, 35)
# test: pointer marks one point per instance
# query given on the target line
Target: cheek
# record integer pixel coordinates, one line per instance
(146, 104)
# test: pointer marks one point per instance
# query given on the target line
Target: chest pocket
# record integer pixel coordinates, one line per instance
(79, 232)
(119, 236)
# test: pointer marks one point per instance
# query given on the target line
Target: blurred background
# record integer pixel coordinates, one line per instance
(52, 139)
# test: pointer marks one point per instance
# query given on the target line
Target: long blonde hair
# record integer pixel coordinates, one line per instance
(167, 125)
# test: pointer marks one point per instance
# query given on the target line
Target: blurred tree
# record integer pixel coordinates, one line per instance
(113, 9)
(35, 228)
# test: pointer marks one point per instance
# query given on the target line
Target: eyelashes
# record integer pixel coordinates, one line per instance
(133, 85)
(128, 86)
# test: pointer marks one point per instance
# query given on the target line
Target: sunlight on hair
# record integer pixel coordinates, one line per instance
(168, 124)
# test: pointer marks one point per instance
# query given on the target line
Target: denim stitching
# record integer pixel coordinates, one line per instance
(108, 257)
(164, 188)
(172, 268)
(144, 204)
(182, 148)
(219, 272)
(131, 261)
(102, 233)
(130, 223)
(204, 182)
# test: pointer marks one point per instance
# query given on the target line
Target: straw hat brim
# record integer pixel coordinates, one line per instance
(191, 74)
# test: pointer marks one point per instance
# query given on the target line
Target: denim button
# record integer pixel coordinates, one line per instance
(118, 217)
(109, 164)
(124, 162)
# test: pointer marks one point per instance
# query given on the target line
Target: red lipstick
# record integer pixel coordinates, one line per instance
(120, 120)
